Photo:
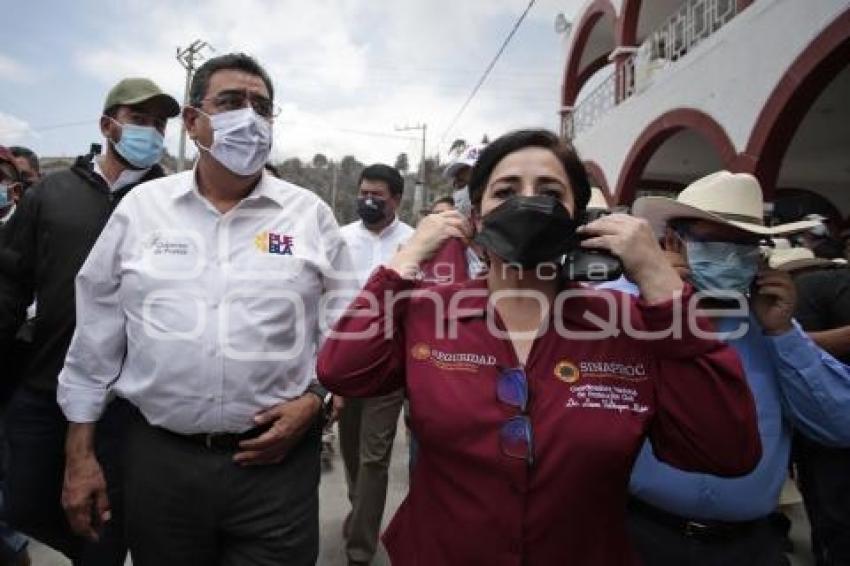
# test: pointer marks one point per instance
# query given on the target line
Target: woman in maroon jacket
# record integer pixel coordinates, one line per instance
(530, 397)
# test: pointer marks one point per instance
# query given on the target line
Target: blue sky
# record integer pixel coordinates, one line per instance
(341, 68)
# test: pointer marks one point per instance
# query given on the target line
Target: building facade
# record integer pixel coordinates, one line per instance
(657, 93)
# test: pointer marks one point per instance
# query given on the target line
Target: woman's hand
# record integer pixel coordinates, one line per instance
(632, 240)
(429, 237)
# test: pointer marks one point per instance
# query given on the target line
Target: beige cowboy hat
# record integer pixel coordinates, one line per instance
(597, 200)
(791, 259)
(734, 199)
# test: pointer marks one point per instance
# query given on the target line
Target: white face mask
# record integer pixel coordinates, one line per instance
(242, 140)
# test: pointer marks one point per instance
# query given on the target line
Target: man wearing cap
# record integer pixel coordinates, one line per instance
(678, 517)
(54, 227)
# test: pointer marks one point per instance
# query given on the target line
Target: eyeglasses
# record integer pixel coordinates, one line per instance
(686, 234)
(227, 100)
(516, 434)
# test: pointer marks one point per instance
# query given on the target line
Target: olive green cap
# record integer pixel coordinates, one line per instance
(133, 91)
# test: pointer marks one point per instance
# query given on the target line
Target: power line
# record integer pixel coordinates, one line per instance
(487, 71)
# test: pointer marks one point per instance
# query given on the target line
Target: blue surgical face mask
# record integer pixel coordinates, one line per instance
(4, 196)
(141, 146)
(722, 266)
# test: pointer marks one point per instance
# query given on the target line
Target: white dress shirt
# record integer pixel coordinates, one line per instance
(126, 177)
(202, 319)
(369, 250)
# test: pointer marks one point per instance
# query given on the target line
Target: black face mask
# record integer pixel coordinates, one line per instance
(371, 210)
(529, 231)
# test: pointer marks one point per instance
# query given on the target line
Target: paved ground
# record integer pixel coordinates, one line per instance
(334, 505)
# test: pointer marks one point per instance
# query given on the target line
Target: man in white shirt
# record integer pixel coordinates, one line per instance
(367, 427)
(47, 239)
(202, 304)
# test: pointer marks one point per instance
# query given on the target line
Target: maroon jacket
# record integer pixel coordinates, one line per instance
(592, 404)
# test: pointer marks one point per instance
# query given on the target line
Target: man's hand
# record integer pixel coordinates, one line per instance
(673, 251)
(84, 491)
(631, 239)
(774, 300)
(289, 420)
(337, 405)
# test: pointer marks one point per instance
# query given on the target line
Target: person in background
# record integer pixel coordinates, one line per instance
(527, 432)
(458, 172)
(823, 471)
(821, 240)
(54, 227)
(13, 545)
(442, 205)
(200, 306)
(367, 427)
(681, 517)
(28, 165)
(10, 185)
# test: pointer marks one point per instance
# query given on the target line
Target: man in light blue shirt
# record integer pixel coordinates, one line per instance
(679, 517)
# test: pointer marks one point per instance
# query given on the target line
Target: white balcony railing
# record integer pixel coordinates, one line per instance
(689, 25)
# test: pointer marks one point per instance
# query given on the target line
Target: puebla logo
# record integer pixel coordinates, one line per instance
(272, 243)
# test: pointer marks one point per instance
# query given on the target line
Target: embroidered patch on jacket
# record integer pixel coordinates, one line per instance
(567, 371)
(451, 361)
(273, 243)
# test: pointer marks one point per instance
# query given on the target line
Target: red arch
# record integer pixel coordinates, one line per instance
(657, 133)
(572, 83)
(810, 73)
(594, 170)
(628, 23)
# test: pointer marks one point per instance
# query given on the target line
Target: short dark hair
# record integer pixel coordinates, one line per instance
(385, 173)
(28, 154)
(520, 139)
(445, 200)
(236, 61)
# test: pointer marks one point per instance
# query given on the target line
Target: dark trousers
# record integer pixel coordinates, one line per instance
(824, 475)
(193, 506)
(35, 429)
(659, 544)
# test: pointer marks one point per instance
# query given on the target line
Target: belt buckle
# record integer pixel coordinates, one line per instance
(696, 529)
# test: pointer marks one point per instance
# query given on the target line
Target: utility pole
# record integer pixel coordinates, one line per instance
(187, 57)
(334, 173)
(419, 194)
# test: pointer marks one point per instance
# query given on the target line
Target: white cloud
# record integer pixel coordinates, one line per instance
(13, 130)
(13, 71)
(347, 65)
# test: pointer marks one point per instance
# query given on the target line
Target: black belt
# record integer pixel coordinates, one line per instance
(223, 441)
(218, 441)
(694, 528)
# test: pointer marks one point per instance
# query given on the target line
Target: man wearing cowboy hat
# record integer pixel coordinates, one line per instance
(679, 517)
